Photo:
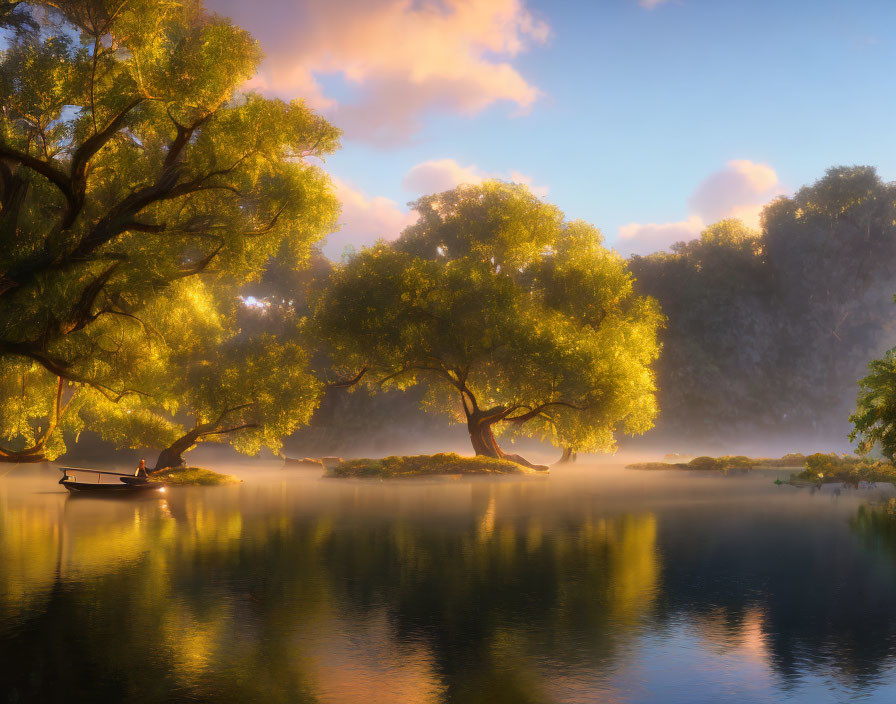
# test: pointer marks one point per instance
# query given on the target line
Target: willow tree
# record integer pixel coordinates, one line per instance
(130, 169)
(513, 317)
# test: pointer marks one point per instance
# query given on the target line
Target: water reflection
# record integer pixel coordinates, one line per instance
(596, 588)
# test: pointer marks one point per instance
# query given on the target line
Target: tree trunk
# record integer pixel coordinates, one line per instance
(567, 456)
(482, 438)
(485, 444)
(172, 456)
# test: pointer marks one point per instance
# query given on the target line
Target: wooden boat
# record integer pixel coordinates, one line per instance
(127, 484)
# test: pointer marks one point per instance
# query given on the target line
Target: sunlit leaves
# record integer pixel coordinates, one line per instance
(494, 293)
(140, 191)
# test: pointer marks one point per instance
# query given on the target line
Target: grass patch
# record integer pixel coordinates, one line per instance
(826, 469)
(727, 462)
(396, 467)
(193, 476)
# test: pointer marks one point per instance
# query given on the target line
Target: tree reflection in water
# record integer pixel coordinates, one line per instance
(477, 591)
(139, 600)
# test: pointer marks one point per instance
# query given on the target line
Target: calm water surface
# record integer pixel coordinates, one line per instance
(594, 585)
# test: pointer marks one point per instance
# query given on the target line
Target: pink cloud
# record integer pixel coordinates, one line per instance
(739, 190)
(438, 175)
(400, 58)
(365, 219)
(644, 238)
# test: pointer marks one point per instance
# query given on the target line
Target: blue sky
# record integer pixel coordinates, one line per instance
(637, 107)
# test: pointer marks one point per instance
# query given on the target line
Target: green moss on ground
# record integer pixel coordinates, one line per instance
(726, 462)
(193, 476)
(396, 467)
(826, 469)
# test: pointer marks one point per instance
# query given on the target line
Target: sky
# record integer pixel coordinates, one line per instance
(648, 118)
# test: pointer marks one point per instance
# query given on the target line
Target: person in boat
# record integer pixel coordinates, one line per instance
(141, 469)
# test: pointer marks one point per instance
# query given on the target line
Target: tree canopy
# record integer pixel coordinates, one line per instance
(514, 318)
(139, 189)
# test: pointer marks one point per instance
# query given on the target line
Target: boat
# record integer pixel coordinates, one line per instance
(127, 484)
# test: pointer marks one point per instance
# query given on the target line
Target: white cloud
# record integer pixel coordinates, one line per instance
(399, 58)
(365, 219)
(739, 190)
(437, 175)
(650, 4)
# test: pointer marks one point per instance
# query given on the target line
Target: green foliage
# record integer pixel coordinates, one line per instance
(874, 422)
(426, 465)
(129, 166)
(826, 468)
(250, 393)
(508, 314)
(193, 476)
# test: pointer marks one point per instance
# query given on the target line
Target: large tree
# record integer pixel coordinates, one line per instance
(133, 178)
(513, 317)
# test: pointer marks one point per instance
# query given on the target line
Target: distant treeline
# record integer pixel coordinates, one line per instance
(768, 332)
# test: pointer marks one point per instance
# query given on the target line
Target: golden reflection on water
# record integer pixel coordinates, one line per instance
(213, 583)
(299, 590)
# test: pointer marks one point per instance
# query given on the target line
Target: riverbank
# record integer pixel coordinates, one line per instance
(401, 467)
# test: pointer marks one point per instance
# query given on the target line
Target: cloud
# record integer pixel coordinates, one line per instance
(365, 219)
(650, 4)
(739, 190)
(397, 59)
(644, 238)
(438, 175)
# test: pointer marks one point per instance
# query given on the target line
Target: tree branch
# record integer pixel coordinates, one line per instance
(538, 409)
(345, 383)
(53, 174)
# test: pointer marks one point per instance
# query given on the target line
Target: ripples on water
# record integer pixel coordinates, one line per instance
(594, 585)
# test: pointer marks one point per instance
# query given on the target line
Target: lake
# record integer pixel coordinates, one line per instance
(597, 584)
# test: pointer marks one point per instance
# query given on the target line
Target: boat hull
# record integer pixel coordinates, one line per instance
(111, 489)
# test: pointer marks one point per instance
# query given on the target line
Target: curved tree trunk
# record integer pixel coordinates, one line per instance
(172, 456)
(482, 437)
(567, 456)
(484, 442)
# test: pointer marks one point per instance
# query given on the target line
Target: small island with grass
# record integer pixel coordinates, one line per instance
(192, 476)
(724, 463)
(850, 470)
(441, 464)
